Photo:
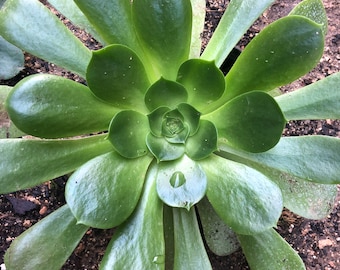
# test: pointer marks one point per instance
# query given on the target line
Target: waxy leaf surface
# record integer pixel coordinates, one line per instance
(164, 28)
(181, 183)
(127, 133)
(189, 249)
(281, 53)
(21, 23)
(103, 192)
(203, 81)
(42, 160)
(139, 242)
(117, 75)
(244, 198)
(269, 251)
(50, 106)
(11, 60)
(252, 121)
(57, 235)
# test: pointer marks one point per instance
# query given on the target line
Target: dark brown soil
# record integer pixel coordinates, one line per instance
(317, 242)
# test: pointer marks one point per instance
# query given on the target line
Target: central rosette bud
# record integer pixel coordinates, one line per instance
(172, 126)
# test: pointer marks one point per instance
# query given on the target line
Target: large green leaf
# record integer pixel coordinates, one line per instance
(165, 93)
(244, 198)
(181, 183)
(30, 26)
(269, 251)
(112, 20)
(189, 249)
(203, 81)
(252, 121)
(127, 133)
(219, 237)
(70, 10)
(164, 28)
(54, 238)
(312, 158)
(314, 10)
(266, 63)
(103, 192)
(117, 75)
(11, 60)
(25, 163)
(320, 100)
(50, 106)
(236, 20)
(139, 242)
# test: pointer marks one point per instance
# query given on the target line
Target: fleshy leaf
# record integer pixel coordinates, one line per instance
(191, 116)
(11, 60)
(139, 242)
(189, 249)
(156, 120)
(219, 237)
(165, 93)
(203, 81)
(21, 22)
(244, 198)
(117, 75)
(198, 20)
(112, 20)
(164, 150)
(127, 133)
(164, 28)
(71, 11)
(232, 27)
(97, 192)
(59, 228)
(50, 106)
(38, 157)
(252, 122)
(320, 100)
(203, 143)
(269, 251)
(281, 53)
(181, 183)
(314, 10)
(306, 157)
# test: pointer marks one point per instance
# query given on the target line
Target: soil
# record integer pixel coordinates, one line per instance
(316, 241)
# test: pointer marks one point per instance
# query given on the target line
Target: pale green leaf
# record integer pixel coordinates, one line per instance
(244, 198)
(55, 237)
(30, 26)
(181, 183)
(139, 242)
(219, 237)
(103, 192)
(269, 251)
(25, 163)
(320, 100)
(235, 21)
(11, 60)
(198, 19)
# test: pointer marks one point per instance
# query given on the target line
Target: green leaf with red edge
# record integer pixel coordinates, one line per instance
(244, 198)
(103, 192)
(116, 75)
(50, 106)
(281, 53)
(127, 133)
(59, 228)
(252, 121)
(164, 29)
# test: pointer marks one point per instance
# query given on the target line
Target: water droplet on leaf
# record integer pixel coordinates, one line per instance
(177, 179)
(158, 259)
